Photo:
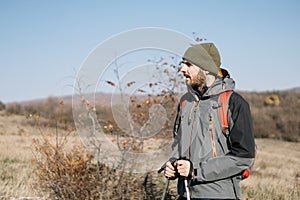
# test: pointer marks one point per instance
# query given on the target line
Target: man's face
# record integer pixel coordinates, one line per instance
(193, 74)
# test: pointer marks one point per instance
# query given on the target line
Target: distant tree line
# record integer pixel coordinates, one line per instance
(279, 120)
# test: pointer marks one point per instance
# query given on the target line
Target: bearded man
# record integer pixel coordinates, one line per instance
(206, 159)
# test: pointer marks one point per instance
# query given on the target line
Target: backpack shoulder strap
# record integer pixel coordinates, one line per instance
(223, 111)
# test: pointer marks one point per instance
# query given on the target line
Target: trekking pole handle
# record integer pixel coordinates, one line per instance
(162, 168)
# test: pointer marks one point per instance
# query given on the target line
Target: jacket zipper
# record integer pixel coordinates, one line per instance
(212, 137)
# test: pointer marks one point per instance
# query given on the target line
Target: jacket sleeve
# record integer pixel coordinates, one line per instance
(241, 134)
(242, 152)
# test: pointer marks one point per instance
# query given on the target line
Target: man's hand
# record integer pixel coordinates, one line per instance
(183, 167)
(179, 168)
(170, 171)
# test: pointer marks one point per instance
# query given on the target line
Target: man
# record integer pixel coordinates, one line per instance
(210, 161)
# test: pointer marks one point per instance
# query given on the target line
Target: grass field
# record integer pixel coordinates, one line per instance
(275, 175)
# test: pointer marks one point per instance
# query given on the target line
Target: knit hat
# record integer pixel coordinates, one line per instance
(205, 56)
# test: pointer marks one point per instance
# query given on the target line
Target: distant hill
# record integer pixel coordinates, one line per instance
(296, 89)
(279, 121)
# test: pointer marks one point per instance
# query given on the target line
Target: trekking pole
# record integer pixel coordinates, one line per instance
(165, 189)
(163, 167)
(187, 189)
(167, 181)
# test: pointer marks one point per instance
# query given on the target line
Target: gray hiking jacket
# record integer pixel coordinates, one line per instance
(217, 160)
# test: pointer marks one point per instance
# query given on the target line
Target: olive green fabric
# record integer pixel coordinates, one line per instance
(205, 56)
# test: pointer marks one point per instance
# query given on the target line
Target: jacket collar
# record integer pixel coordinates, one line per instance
(220, 85)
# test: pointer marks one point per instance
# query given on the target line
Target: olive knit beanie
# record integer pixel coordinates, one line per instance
(205, 56)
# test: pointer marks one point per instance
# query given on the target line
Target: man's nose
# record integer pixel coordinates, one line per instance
(183, 69)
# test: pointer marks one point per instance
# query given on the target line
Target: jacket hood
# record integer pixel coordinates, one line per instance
(229, 84)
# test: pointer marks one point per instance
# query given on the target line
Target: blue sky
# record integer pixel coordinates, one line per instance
(44, 43)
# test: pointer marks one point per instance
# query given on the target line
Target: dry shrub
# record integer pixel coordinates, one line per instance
(73, 173)
(66, 175)
(14, 108)
(2, 106)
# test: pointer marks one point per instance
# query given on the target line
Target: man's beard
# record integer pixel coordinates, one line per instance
(199, 81)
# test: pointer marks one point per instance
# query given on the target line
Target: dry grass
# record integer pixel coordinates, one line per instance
(15, 157)
(16, 171)
(17, 175)
(275, 175)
